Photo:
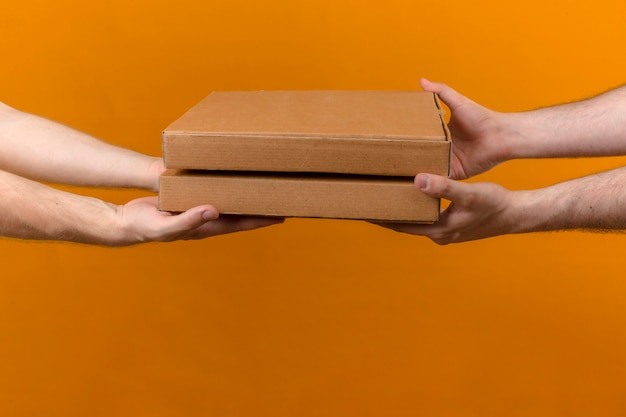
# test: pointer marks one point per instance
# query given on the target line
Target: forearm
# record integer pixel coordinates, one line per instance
(593, 127)
(30, 210)
(595, 202)
(44, 150)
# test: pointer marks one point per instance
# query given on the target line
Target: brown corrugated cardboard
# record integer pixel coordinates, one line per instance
(291, 195)
(395, 133)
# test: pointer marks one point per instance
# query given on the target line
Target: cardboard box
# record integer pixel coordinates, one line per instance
(294, 195)
(394, 133)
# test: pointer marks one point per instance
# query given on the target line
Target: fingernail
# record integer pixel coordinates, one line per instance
(210, 215)
(423, 181)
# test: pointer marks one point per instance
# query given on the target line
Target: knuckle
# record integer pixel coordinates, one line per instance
(469, 199)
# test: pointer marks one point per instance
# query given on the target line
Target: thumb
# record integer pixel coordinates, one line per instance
(445, 93)
(442, 187)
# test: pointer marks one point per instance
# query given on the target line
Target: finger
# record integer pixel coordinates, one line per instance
(240, 223)
(412, 229)
(446, 94)
(232, 224)
(191, 219)
(442, 187)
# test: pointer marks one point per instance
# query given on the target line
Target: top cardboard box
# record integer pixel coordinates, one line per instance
(387, 133)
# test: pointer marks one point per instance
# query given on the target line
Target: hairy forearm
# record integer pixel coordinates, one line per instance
(30, 210)
(593, 127)
(40, 149)
(595, 202)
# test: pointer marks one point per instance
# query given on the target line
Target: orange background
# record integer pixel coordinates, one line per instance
(312, 317)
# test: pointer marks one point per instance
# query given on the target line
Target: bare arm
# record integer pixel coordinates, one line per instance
(592, 127)
(43, 150)
(480, 210)
(33, 148)
(30, 210)
(483, 138)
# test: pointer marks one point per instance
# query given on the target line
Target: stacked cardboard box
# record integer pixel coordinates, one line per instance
(330, 154)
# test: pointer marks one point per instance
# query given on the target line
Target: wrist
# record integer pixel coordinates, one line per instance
(510, 135)
(156, 168)
(94, 221)
(117, 231)
(524, 218)
(541, 210)
(145, 173)
(123, 231)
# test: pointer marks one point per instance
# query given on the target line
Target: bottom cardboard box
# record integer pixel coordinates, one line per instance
(290, 195)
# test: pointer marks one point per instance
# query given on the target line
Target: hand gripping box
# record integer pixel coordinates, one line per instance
(334, 154)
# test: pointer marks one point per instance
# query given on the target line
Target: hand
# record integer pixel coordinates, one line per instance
(142, 221)
(476, 211)
(477, 143)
